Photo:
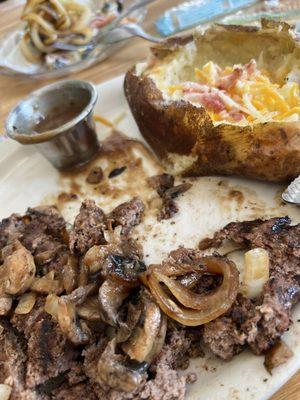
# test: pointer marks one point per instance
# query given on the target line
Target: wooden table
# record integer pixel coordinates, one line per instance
(13, 89)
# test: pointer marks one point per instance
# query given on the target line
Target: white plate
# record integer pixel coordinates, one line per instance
(13, 62)
(26, 179)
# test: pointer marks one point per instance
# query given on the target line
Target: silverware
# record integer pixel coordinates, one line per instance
(58, 120)
(112, 37)
(135, 30)
(292, 192)
(104, 31)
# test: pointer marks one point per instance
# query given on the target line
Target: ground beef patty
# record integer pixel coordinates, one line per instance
(49, 353)
(259, 324)
(88, 228)
(10, 229)
(128, 214)
(42, 231)
(39, 356)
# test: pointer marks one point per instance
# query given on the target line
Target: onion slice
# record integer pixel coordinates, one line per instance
(26, 303)
(195, 309)
(5, 391)
(47, 284)
(51, 305)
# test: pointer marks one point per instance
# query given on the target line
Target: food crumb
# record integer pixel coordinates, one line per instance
(95, 176)
(191, 378)
(265, 380)
(116, 172)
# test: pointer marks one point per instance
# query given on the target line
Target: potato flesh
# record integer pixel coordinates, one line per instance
(179, 67)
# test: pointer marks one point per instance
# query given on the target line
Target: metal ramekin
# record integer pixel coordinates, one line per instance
(70, 144)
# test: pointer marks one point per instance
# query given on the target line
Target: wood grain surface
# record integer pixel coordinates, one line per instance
(13, 89)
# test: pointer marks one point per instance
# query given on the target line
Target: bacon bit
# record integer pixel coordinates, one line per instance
(229, 81)
(210, 100)
(236, 115)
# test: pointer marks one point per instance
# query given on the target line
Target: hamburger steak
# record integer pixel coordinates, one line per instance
(77, 319)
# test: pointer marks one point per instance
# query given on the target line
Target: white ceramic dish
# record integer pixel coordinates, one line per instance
(26, 179)
(13, 62)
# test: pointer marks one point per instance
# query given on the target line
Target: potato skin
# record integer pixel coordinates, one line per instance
(167, 127)
(267, 151)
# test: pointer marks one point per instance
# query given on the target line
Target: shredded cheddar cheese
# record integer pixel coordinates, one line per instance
(103, 121)
(241, 93)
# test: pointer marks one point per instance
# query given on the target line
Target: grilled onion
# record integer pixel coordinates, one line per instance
(18, 270)
(51, 305)
(69, 324)
(26, 303)
(70, 274)
(5, 304)
(192, 309)
(5, 391)
(47, 284)
(256, 272)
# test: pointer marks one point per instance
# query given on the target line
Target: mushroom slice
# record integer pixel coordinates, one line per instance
(141, 342)
(80, 295)
(83, 275)
(18, 270)
(159, 340)
(133, 314)
(70, 274)
(111, 296)
(125, 269)
(5, 304)
(95, 258)
(113, 371)
(69, 324)
(90, 309)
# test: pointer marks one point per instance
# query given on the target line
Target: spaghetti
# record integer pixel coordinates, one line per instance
(49, 21)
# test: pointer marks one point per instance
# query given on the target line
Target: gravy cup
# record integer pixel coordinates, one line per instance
(58, 120)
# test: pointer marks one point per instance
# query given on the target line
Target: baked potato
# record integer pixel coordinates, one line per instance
(222, 101)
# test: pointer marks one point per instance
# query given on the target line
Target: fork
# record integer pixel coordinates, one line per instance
(135, 30)
(114, 36)
(104, 31)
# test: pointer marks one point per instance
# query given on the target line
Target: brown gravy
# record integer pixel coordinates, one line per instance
(57, 118)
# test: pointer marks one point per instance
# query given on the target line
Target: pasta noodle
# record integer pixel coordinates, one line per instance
(49, 21)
